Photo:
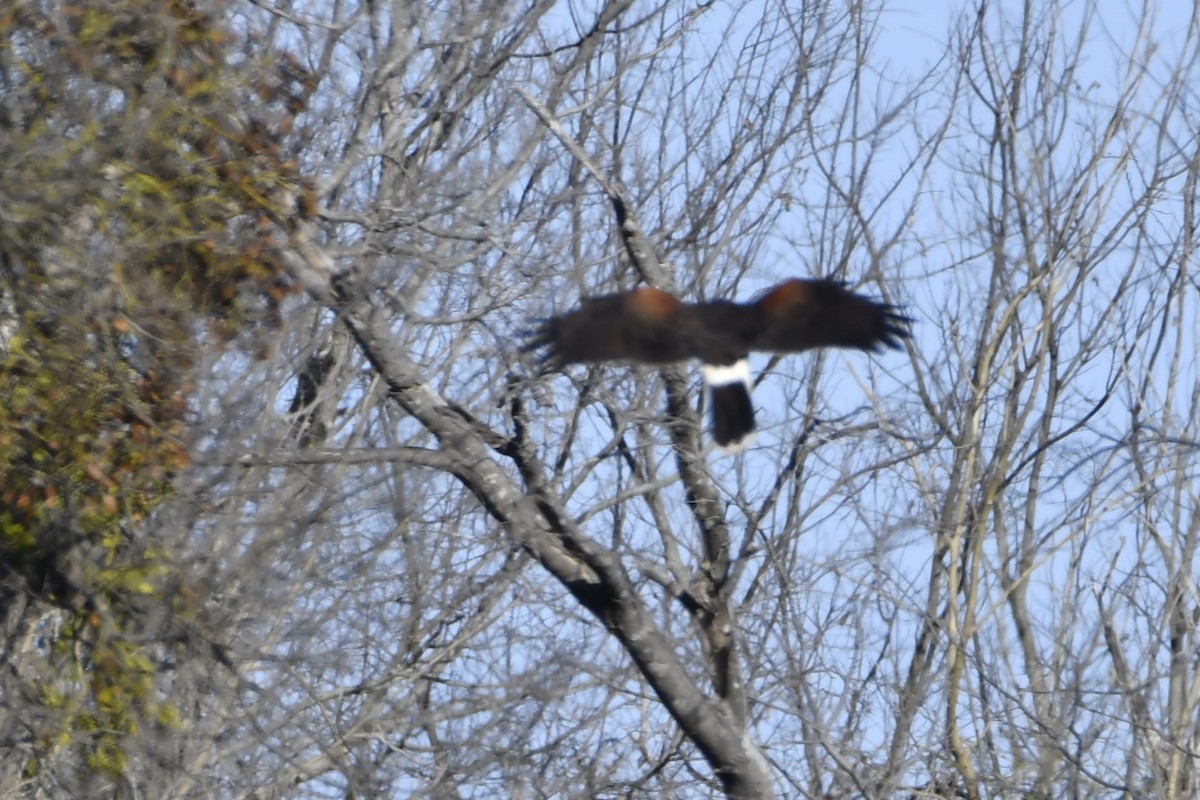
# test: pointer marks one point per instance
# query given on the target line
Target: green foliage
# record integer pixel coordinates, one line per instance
(140, 205)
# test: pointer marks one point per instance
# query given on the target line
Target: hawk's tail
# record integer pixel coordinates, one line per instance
(731, 408)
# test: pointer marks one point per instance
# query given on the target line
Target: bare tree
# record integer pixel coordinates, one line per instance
(481, 153)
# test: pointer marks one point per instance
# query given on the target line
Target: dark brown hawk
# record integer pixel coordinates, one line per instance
(649, 326)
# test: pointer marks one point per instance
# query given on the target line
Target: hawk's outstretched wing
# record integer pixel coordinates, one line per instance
(646, 325)
(802, 314)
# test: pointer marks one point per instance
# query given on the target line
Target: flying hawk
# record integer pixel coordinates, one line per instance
(649, 326)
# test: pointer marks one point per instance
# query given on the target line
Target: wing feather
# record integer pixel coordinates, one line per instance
(646, 325)
(804, 314)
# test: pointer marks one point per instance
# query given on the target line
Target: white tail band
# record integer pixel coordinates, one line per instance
(725, 374)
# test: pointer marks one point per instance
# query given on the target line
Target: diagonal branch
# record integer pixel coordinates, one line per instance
(536, 521)
(641, 251)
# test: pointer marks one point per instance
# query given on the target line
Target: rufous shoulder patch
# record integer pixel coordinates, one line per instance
(654, 303)
(790, 293)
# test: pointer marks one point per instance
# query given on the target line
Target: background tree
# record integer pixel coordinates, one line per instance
(400, 563)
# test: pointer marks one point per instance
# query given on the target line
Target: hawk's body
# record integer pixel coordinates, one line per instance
(649, 326)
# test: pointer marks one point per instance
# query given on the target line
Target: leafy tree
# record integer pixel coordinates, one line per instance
(136, 207)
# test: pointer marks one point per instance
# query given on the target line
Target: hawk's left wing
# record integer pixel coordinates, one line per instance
(646, 326)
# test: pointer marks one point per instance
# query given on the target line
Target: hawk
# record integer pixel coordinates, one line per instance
(649, 326)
